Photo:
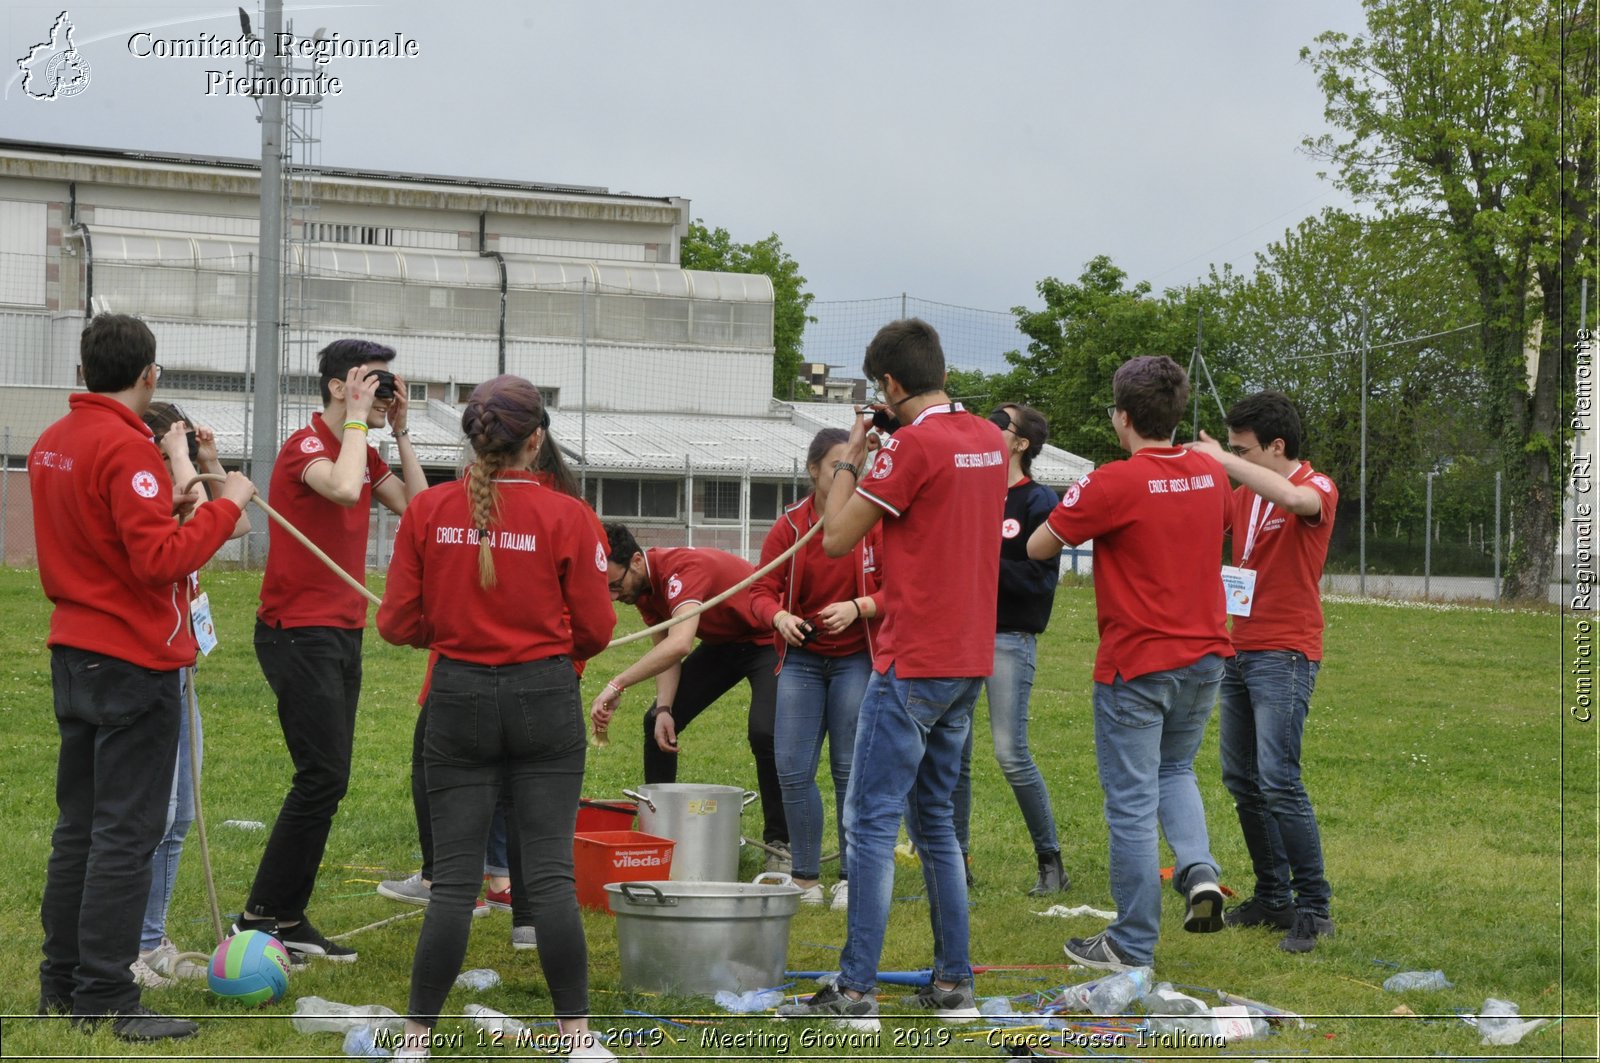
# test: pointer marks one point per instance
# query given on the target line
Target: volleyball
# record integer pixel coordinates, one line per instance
(251, 968)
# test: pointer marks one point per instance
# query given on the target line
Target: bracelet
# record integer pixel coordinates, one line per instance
(858, 608)
(845, 466)
(355, 424)
(402, 433)
(612, 684)
(663, 710)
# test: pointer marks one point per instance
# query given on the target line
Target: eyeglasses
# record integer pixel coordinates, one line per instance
(158, 369)
(1240, 452)
(1002, 420)
(1111, 409)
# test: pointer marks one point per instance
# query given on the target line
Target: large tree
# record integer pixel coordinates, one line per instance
(1481, 113)
(715, 250)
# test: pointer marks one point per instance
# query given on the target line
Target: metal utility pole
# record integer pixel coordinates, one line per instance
(583, 387)
(269, 278)
(1427, 540)
(1363, 580)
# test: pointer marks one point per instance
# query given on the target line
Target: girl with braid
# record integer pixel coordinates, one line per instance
(503, 707)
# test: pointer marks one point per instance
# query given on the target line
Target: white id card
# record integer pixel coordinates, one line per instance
(205, 632)
(1239, 585)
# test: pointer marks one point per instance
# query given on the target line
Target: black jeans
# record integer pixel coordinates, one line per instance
(710, 671)
(488, 726)
(521, 912)
(119, 744)
(315, 672)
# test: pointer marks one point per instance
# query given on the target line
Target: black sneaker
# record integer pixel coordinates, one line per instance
(1308, 926)
(1052, 876)
(950, 1005)
(830, 1003)
(1254, 912)
(1096, 952)
(268, 926)
(307, 940)
(1204, 914)
(53, 1005)
(139, 1023)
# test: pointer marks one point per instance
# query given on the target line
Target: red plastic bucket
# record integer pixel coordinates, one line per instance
(594, 816)
(600, 857)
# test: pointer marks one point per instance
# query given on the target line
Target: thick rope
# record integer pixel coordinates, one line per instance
(199, 816)
(292, 530)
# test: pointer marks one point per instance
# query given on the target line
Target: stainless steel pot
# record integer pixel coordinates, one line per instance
(695, 938)
(702, 819)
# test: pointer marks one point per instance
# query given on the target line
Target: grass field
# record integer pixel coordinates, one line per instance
(1457, 802)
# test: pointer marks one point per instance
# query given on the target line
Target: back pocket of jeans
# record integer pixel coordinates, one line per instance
(452, 728)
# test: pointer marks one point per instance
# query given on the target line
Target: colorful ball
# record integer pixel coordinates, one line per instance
(251, 968)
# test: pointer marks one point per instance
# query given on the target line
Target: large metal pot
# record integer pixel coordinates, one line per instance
(702, 819)
(695, 938)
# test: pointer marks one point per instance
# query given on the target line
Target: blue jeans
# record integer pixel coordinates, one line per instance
(1146, 733)
(1266, 695)
(817, 697)
(180, 816)
(1009, 689)
(908, 746)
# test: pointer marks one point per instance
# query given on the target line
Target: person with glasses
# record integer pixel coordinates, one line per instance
(308, 629)
(1282, 520)
(114, 561)
(733, 646)
(937, 487)
(1157, 520)
(1027, 595)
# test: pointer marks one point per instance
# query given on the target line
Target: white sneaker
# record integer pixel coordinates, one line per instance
(147, 976)
(811, 894)
(593, 1052)
(841, 895)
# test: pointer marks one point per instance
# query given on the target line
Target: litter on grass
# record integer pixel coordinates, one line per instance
(1061, 911)
(478, 978)
(1406, 980)
(1501, 1022)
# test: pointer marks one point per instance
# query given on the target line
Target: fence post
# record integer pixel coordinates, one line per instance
(5, 494)
(1427, 542)
(1497, 535)
(688, 501)
(744, 512)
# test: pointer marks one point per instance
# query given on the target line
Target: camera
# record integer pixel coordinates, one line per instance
(884, 421)
(385, 379)
(809, 630)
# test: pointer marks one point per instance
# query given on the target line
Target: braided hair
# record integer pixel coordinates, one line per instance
(500, 417)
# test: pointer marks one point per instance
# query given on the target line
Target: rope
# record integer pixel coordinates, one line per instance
(678, 618)
(199, 816)
(373, 926)
(300, 536)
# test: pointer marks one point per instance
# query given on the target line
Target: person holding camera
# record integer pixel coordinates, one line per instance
(819, 608)
(308, 629)
(184, 447)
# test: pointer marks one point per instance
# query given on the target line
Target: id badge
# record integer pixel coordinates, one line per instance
(205, 632)
(1239, 585)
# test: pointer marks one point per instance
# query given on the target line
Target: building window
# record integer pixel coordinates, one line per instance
(721, 500)
(640, 498)
(768, 499)
(417, 392)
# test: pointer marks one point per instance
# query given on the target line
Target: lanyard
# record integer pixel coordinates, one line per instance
(1258, 519)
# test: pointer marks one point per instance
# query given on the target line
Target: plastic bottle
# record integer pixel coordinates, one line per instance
(478, 978)
(362, 1042)
(1113, 995)
(315, 1015)
(493, 1021)
(747, 1002)
(1405, 980)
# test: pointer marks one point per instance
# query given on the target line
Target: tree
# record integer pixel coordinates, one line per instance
(714, 250)
(1482, 113)
(1296, 324)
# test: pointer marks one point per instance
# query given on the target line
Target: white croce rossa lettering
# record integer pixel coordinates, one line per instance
(980, 460)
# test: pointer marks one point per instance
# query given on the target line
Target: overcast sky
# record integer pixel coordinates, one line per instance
(958, 152)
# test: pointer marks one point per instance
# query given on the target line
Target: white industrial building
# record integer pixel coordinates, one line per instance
(658, 378)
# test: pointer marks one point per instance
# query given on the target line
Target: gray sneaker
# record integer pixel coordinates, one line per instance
(522, 938)
(1098, 952)
(406, 890)
(830, 1003)
(950, 1005)
(780, 863)
(1308, 927)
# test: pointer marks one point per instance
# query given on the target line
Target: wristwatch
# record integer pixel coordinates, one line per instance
(845, 466)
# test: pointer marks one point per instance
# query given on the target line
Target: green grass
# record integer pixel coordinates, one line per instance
(1438, 754)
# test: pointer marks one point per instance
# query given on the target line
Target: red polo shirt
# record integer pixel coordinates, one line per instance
(1156, 519)
(112, 557)
(691, 575)
(297, 589)
(1287, 553)
(942, 482)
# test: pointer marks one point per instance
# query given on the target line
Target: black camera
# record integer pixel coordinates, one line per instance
(884, 421)
(810, 629)
(385, 379)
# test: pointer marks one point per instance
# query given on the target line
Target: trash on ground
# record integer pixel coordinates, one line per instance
(244, 824)
(751, 1001)
(478, 978)
(1501, 1022)
(315, 1015)
(1405, 980)
(1061, 911)
(362, 1042)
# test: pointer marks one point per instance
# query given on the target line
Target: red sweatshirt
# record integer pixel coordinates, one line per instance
(811, 580)
(548, 558)
(112, 557)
